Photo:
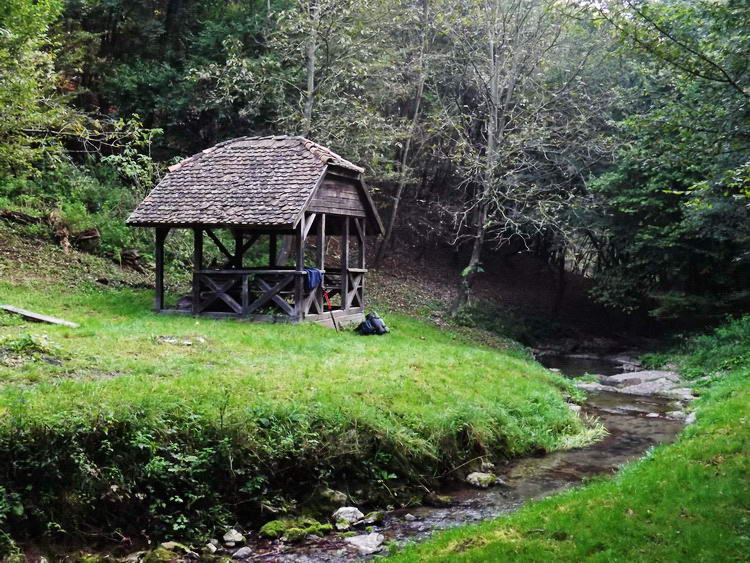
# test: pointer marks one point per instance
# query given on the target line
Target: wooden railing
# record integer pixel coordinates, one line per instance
(265, 291)
(246, 291)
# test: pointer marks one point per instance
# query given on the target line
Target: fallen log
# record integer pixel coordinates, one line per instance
(36, 316)
(19, 217)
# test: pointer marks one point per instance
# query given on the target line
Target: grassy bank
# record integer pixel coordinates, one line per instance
(162, 426)
(686, 501)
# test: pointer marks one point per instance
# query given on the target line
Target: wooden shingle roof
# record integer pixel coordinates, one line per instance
(265, 181)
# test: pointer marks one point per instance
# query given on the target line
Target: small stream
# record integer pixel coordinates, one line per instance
(631, 433)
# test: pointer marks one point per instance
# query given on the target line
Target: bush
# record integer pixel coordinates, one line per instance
(505, 323)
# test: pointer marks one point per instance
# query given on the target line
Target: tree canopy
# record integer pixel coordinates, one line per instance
(610, 138)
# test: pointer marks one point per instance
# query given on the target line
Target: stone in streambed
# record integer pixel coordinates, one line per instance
(481, 480)
(374, 517)
(368, 543)
(346, 516)
(242, 553)
(593, 387)
(233, 537)
(337, 498)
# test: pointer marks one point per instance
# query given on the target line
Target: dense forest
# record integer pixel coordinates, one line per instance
(610, 139)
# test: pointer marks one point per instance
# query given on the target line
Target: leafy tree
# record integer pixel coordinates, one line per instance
(522, 123)
(675, 211)
(29, 104)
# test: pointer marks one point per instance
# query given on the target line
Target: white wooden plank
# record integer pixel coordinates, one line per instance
(37, 316)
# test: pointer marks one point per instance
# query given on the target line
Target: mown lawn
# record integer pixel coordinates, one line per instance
(689, 501)
(115, 426)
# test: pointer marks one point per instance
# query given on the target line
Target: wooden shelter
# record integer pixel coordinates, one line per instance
(287, 200)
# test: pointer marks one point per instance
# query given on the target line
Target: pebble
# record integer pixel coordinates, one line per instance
(410, 517)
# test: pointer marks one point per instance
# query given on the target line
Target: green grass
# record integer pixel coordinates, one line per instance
(689, 501)
(110, 427)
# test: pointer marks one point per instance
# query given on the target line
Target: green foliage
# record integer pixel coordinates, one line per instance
(722, 351)
(26, 344)
(674, 213)
(689, 499)
(505, 323)
(28, 101)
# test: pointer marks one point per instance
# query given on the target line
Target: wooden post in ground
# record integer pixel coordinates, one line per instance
(238, 248)
(272, 249)
(362, 263)
(161, 236)
(299, 263)
(345, 264)
(197, 266)
(321, 260)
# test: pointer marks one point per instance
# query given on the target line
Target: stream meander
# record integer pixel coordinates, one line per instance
(631, 433)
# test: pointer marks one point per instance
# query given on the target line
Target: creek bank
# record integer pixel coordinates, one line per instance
(635, 423)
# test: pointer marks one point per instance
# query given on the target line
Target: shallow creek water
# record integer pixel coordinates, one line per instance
(631, 433)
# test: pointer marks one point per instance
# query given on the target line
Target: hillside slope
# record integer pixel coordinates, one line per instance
(162, 426)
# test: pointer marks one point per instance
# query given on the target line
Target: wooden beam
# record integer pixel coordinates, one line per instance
(197, 266)
(238, 248)
(219, 291)
(272, 251)
(270, 294)
(299, 282)
(360, 224)
(308, 224)
(345, 263)
(364, 265)
(321, 262)
(37, 316)
(161, 236)
(219, 244)
(250, 242)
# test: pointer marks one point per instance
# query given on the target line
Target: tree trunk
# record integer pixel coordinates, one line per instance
(312, 47)
(384, 244)
(472, 268)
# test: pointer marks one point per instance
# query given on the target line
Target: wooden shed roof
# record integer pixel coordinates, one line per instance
(248, 181)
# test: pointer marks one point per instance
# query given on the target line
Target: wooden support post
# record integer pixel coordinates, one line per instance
(321, 260)
(272, 250)
(299, 281)
(245, 293)
(363, 264)
(345, 264)
(197, 265)
(161, 236)
(239, 248)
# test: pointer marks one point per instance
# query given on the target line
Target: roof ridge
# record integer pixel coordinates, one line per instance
(322, 153)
